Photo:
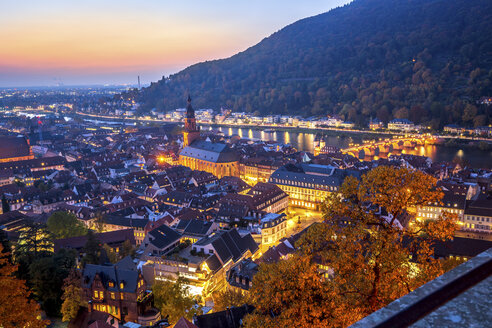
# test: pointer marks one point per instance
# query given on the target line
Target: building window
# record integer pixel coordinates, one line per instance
(112, 296)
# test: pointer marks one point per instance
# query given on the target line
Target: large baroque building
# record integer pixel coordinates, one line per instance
(308, 185)
(216, 158)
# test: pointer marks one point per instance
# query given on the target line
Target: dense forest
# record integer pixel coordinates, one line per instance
(426, 60)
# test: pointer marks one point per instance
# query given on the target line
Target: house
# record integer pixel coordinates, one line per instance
(183, 323)
(119, 290)
(229, 318)
(166, 219)
(160, 241)
(453, 203)
(273, 228)
(240, 276)
(263, 197)
(118, 222)
(375, 124)
(195, 229)
(401, 125)
(204, 264)
(478, 214)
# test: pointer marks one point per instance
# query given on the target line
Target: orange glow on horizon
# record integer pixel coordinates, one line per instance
(78, 48)
(55, 41)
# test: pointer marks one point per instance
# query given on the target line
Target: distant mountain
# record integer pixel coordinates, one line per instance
(426, 60)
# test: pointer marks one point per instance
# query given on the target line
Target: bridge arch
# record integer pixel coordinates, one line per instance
(397, 145)
(409, 144)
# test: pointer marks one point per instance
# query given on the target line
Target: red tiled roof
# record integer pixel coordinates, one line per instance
(104, 238)
(183, 323)
(11, 147)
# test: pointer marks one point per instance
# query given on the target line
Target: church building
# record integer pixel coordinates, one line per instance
(216, 158)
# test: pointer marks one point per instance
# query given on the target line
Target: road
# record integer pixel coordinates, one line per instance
(282, 127)
(305, 217)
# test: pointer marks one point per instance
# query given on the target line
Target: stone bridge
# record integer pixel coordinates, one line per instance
(376, 148)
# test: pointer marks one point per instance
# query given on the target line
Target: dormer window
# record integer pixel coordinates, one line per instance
(111, 284)
(122, 285)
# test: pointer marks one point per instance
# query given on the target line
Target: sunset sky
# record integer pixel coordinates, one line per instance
(108, 41)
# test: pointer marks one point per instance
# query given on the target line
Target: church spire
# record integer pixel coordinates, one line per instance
(192, 132)
(190, 112)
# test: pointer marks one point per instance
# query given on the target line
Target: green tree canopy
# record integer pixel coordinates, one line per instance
(46, 277)
(174, 300)
(65, 225)
(93, 249)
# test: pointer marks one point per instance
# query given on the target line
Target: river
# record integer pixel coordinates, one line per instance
(305, 141)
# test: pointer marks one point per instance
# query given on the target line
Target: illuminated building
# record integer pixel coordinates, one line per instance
(204, 264)
(478, 215)
(35, 164)
(273, 228)
(402, 125)
(253, 170)
(14, 149)
(262, 198)
(375, 124)
(240, 277)
(119, 290)
(215, 158)
(452, 203)
(309, 184)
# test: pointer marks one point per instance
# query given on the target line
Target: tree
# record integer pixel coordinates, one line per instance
(34, 242)
(72, 295)
(98, 223)
(127, 249)
(174, 300)
(46, 277)
(371, 258)
(92, 249)
(289, 293)
(65, 225)
(228, 298)
(112, 255)
(5, 205)
(16, 309)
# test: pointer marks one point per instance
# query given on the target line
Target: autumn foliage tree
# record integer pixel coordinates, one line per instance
(16, 309)
(372, 256)
(290, 293)
(72, 296)
(174, 300)
(228, 298)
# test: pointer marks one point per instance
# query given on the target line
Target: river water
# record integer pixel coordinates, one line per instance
(305, 142)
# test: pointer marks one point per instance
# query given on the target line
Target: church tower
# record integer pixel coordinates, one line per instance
(191, 132)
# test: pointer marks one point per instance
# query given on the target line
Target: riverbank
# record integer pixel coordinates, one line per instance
(362, 134)
(464, 143)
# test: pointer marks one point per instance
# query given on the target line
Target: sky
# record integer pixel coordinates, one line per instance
(48, 42)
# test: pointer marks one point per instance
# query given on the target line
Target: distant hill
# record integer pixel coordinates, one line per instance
(426, 60)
